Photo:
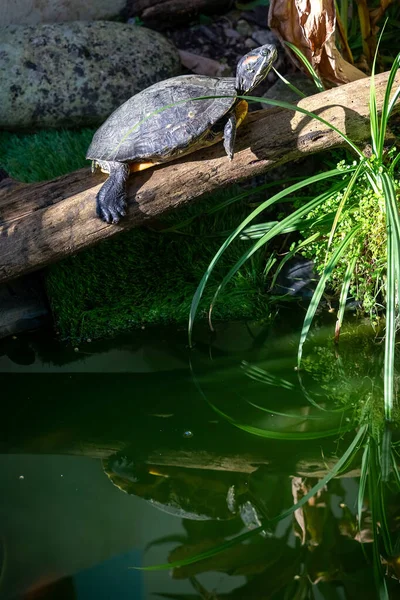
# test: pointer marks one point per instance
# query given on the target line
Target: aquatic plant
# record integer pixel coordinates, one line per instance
(346, 240)
(357, 220)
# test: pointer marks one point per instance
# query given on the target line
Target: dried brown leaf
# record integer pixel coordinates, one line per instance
(310, 25)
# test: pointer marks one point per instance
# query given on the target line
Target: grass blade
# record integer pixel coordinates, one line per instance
(388, 104)
(386, 447)
(392, 279)
(395, 469)
(344, 293)
(263, 376)
(282, 104)
(298, 417)
(343, 201)
(318, 83)
(237, 198)
(373, 109)
(280, 195)
(321, 287)
(290, 85)
(291, 220)
(363, 482)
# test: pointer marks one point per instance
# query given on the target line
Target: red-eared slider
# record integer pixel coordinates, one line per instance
(142, 132)
(194, 494)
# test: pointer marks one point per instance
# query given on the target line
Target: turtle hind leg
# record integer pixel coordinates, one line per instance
(111, 198)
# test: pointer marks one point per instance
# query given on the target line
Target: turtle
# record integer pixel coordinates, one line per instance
(169, 119)
(187, 493)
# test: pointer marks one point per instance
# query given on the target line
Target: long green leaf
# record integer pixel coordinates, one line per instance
(386, 448)
(290, 85)
(264, 377)
(321, 287)
(392, 282)
(373, 109)
(388, 103)
(344, 199)
(303, 418)
(237, 198)
(393, 165)
(282, 104)
(379, 577)
(363, 482)
(275, 198)
(318, 83)
(291, 220)
(274, 434)
(344, 293)
(395, 469)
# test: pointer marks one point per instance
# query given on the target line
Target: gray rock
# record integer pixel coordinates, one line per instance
(76, 73)
(281, 91)
(244, 28)
(31, 12)
(264, 36)
(231, 33)
(250, 43)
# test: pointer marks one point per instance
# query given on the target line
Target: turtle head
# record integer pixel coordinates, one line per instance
(254, 67)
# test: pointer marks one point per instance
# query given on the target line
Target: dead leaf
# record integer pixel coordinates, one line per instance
(310, 26)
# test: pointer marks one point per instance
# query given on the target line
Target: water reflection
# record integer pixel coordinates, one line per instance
(193, 450)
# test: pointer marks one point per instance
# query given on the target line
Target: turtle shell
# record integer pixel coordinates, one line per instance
(131, 134)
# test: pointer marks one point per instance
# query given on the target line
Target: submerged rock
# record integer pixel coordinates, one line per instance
(76, 73)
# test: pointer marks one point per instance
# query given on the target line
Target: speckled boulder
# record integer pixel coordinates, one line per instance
(76, 73)
(30, 12)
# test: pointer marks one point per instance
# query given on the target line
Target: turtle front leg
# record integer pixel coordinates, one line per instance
(111, 198)
(230, 135)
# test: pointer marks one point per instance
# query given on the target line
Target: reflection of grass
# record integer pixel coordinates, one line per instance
(343, 242)
(329, 217)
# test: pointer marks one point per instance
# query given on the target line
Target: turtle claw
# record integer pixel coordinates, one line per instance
(111, 199)
(111, 209)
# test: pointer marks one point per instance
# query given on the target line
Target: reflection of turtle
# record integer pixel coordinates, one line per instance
(194, 494)
(147, 130)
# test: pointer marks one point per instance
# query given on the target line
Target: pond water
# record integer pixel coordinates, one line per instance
(137, 452)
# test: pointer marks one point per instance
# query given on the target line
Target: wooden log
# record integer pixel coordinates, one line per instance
(44, 222)
(204, 460)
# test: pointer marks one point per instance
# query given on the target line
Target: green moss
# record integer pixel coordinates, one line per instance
(43, 155)
(349, 375)
(140, 277)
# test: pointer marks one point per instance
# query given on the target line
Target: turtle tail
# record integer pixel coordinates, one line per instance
(111, 199)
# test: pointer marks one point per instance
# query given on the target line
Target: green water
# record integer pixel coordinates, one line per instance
(138, 451)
